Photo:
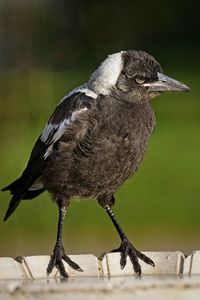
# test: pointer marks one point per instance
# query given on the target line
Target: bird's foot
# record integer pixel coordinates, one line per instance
(56, 261)
(127, 249)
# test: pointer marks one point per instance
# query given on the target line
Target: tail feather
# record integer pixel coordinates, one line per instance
(32, 194)
(17, 197)
(13, 187)
(19, 193)
(12, 206)
(19, 190)
(33, 171)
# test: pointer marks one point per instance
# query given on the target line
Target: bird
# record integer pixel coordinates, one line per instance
(93, 142)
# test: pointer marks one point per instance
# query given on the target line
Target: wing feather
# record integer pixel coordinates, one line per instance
(64, 115)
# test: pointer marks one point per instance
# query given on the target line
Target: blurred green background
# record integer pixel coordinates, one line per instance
(47, 48)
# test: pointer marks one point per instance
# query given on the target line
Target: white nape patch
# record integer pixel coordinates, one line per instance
(100, 82)
(107, 74)
(103, 79)
(37, 185)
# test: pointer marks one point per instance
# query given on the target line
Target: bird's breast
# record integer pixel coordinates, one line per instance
(121, 138)
(110, 152)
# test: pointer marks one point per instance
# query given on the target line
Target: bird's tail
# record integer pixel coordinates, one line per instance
(17, 190)
(20, 190)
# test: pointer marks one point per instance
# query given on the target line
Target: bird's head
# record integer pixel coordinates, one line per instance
(134, 74)
(142, 77)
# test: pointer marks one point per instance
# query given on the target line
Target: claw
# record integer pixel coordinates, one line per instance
(51, 264)
(56, 261)
(123, 259)
(152, 263)
(127, 249)
(139, 272)
(123, 263)
(135, 263)
(145, 258)
(71, 263)
(60, 266)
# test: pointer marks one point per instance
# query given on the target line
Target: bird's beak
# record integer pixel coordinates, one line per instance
(165, 83)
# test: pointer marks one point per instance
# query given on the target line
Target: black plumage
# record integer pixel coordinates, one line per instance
(94, 140)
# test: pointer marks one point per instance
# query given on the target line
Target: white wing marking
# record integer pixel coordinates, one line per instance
(84, 88)
(58, 130)
(49, 128)
(100, 82)
(48, 151)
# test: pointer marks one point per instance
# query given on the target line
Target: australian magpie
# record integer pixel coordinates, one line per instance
(94, 140)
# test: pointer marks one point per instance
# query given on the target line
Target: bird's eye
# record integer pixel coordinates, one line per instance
(140, 80)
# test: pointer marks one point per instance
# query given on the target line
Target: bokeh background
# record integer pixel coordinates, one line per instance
(47, 48)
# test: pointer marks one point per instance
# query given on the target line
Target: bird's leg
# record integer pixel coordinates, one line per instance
(126, 248)
(59, 251)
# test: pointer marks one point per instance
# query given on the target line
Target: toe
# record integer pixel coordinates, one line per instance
(61, 268)
(71, 263)
(123, 259)
(135, 263)
(145, 258)
(150, 262)
(128, 249)
(51, 265)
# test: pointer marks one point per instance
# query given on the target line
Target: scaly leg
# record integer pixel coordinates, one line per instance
(126, 248)
(59, 251)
